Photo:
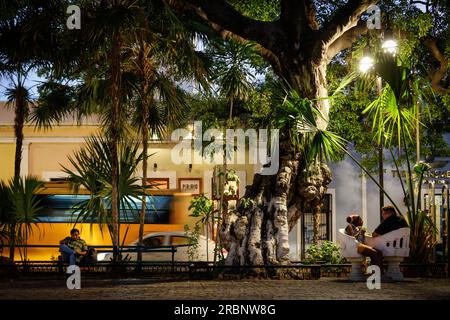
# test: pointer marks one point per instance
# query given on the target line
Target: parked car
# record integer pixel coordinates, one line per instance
(160, 239)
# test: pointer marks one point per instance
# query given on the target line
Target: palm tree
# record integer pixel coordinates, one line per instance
(160, 55)
(233, 71)
(394, 117)
(15, 65)
(17, 60)
(100, 69)
(233, 74)
(19, 98)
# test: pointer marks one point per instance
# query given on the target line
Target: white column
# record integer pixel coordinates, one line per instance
(207, 187)
(25, 158)
(364, 197)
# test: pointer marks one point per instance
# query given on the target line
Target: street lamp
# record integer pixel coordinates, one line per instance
(389, 45)
(366, 62)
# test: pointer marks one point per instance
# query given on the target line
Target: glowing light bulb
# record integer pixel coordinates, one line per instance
(390, 46)
(365, 64)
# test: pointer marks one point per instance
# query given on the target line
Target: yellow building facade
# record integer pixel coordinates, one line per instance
(45, 152)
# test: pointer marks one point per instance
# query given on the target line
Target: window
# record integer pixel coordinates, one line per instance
(61, 208)
(307, 223)
(178, 240)
(153, 242)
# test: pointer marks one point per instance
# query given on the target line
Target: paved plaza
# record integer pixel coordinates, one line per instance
(151, 289)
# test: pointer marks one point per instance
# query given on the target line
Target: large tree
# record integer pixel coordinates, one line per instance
(298, 45)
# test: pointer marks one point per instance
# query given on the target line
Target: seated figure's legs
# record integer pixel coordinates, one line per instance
(72, 254)
(376, 256)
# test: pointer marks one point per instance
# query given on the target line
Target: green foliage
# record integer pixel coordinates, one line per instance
(422, 237)
(232, 68)
(390, 121)
(202, 208)
(20, 208)
(394, 115)
(264, 10)
(6, 215)
(299, 116)
(228, 189)
(418, 27)
(193, 241)
(247, 203)
(327, 253)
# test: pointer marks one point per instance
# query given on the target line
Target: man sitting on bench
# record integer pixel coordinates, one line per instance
(391, 221)
(73, 246)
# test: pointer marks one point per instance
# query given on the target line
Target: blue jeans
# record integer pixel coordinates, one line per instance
(72, 254)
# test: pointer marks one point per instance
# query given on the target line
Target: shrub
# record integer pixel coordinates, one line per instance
(327, 253)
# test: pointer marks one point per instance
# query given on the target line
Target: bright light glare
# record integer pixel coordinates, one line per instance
(390, 46)
(365, 64)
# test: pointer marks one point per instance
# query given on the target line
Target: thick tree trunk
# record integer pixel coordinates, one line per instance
(115, 116)
(258, 234)
(145, 109)
(19, 121)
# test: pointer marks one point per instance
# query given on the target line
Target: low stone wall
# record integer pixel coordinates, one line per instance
(205, 271)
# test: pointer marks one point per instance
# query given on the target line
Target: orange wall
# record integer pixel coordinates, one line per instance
(52, 233)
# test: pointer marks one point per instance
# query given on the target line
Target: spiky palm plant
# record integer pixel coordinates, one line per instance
(19, 211)
(26, 206)
(394, 116)
(93, 171)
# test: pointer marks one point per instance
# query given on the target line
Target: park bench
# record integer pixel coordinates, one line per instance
(60, 263)
(394, 245)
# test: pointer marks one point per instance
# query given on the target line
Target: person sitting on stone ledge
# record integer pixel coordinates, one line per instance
(73, 246)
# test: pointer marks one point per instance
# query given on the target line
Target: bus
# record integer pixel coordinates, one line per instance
(167, 210)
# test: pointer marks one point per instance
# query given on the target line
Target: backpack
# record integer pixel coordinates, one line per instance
(90, 257)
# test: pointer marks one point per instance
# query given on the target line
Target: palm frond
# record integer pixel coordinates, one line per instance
(299, 116)
(93, 167)
(54, 103)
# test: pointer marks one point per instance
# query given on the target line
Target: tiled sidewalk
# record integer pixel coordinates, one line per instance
(325, 288)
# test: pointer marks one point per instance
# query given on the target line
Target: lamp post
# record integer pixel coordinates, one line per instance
(380, 155)
(366, 64)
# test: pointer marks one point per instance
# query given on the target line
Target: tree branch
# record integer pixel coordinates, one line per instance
(298, 17)
(346, 40)
(225, 19)
(439, 74)
(345, 18)
(228, 23)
